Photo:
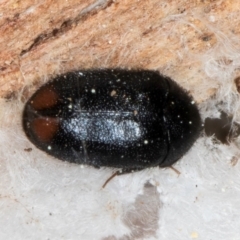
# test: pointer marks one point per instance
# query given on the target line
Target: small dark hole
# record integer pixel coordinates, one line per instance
(27, 149)
(222, 128)
(55, 32)
(237, 82)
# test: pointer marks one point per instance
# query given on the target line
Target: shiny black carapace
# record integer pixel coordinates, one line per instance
(126, 119)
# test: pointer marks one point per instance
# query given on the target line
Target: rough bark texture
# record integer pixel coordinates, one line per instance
(50, 37)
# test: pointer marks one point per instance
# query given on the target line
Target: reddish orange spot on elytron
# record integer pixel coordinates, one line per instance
(45, 128)
(44, 98)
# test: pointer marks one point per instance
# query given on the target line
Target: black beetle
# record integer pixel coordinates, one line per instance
(127, 119)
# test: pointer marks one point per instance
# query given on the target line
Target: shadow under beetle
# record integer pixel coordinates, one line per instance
(126, 119)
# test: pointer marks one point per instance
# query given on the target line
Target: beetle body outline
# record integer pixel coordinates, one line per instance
(126, 119)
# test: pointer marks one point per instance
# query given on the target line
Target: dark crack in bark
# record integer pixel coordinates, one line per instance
(69, 24)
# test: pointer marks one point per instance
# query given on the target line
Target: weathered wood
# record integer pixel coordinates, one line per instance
(51, 37)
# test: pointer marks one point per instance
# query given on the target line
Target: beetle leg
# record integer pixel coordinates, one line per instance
(175, 170)
(120, 172)
(110, 178)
